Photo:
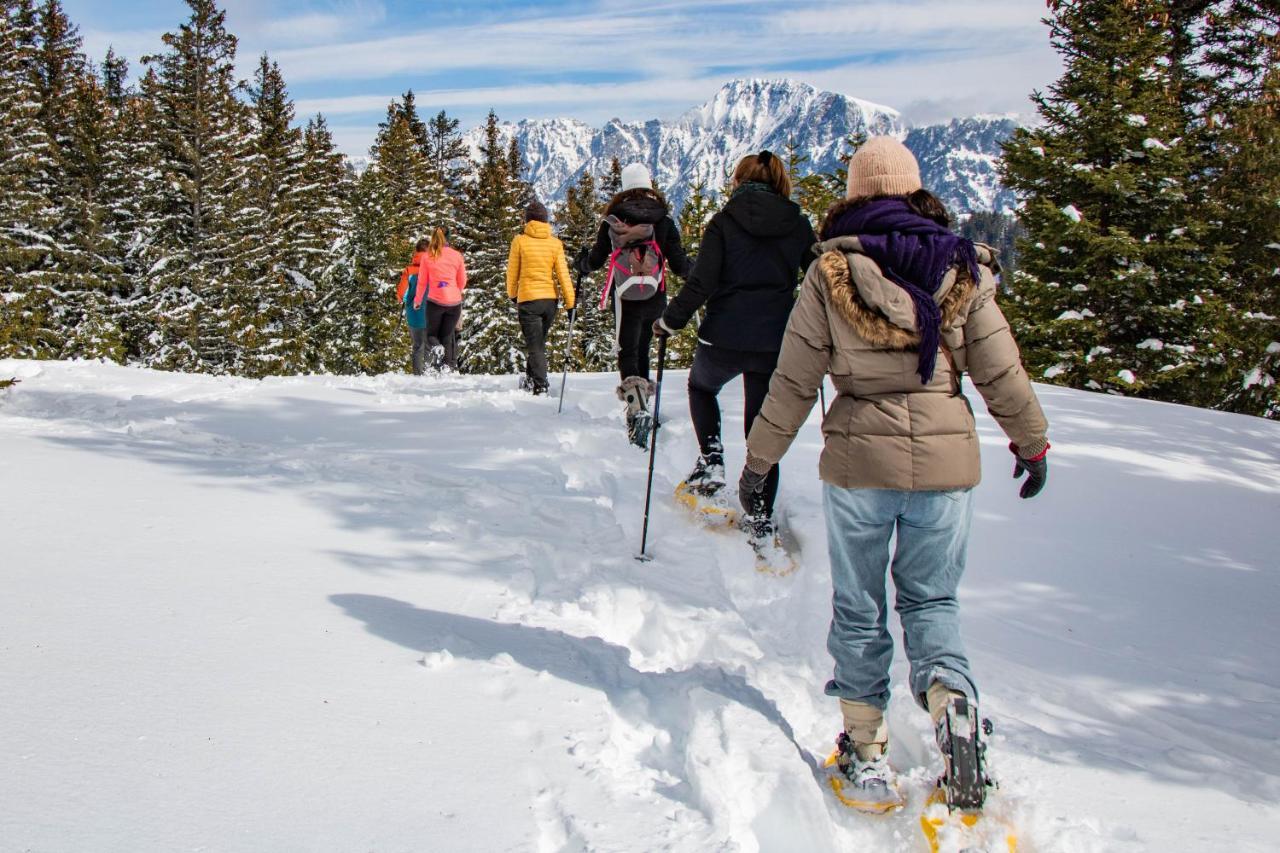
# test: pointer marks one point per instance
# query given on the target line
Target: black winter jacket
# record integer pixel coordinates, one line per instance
(637, 207)
(753, 253)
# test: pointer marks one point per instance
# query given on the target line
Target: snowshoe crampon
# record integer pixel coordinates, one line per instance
(888, 800)
(954, 814)
(639, 428)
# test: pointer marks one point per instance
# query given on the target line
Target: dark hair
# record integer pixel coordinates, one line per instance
(536, 212)
(921, 202)
(763, 168)
(422, 246)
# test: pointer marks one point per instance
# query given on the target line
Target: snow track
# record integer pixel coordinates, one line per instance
(395, 613)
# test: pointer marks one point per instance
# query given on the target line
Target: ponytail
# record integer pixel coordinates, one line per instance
(437, 243)
(764, 168)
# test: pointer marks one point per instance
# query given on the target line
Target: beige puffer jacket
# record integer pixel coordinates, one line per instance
(885, 429)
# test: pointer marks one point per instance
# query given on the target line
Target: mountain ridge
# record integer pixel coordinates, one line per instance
(958, 159)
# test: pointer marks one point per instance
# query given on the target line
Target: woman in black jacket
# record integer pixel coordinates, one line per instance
(753, 253)
(633, 217)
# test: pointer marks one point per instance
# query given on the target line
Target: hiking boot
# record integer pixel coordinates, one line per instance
(872, 783)
(437, 357)
(707, 478)
(959, 734)
(635, 392)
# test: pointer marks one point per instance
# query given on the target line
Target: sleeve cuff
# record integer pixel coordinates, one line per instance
(1033, 452)
(758, 465)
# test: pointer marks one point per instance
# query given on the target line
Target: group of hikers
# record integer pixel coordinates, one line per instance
(894, 307)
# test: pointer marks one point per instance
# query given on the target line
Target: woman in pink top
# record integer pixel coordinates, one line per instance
(442, 277)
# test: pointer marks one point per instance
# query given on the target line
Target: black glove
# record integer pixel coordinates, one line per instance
(751, 489)
(581, 262)
(1037, 471)
(571, 313)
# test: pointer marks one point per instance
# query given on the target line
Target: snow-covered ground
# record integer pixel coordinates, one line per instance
(402, 614)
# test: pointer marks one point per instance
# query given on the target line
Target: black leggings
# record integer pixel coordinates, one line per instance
(636, 334)
(713, 368)
(442, 326)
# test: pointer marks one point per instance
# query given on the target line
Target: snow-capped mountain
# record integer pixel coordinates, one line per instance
(958, 159)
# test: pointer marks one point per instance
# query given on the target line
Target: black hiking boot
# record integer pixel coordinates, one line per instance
(707, 478)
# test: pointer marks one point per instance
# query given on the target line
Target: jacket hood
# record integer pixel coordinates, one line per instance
(540, 230)
(878, 309)
(417, 258)
(764, 214)
(638, 207)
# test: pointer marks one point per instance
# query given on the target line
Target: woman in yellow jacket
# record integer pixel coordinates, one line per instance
(537, 274)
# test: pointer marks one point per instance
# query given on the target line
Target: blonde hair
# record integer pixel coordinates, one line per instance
(437, 243)
(763, 168)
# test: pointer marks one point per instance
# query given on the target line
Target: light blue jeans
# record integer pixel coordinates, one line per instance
(932, 537)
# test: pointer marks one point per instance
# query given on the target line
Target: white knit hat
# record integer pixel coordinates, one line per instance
(635, 176)
(883, 166)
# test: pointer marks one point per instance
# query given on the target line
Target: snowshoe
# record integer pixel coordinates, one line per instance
(773, 557)
(964, 780)
(866, 785)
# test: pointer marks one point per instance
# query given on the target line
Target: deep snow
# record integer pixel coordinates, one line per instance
(403, 614)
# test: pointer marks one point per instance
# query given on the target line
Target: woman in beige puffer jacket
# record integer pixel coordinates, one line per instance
(901, 449)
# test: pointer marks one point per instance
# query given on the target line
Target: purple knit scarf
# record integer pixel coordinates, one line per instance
(915, 254)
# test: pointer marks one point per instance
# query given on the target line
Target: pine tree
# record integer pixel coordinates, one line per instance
(447, 155)
(577, 224)
(611, 185)
(490, 340)
(325, 186)
(196, 309)
(1117, 287)
(266, 255)
(28, 219)
(1239, 58)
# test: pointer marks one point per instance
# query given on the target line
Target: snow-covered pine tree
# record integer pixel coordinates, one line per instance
(576, 225)
(490, 341)
(266, 255)
(395, 203)
(1117, 285)
(448, 157)
(1239, 54)
(324, 187)
(196, 305)
(611, 184)
(131, 175)
(28, 219)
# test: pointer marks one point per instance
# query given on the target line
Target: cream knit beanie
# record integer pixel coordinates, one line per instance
(635, 176)
(883, 166)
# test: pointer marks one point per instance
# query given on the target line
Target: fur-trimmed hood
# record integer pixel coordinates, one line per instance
(880, 311)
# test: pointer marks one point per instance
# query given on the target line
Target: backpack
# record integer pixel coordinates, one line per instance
(636, 269)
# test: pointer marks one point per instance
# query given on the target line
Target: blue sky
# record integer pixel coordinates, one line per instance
(598, 59)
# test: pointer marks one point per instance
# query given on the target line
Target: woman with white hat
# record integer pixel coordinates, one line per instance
(639, 241)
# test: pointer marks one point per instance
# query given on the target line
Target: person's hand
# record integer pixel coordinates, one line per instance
(572, 313)
(751, 488)
(581, 261)
(658, 330)
(417, 306)
(1036, 469)
(515, 301)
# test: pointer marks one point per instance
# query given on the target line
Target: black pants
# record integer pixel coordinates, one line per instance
(442, 328)
(419, 339)
(713, 368)
(536, 317)
(636, 334)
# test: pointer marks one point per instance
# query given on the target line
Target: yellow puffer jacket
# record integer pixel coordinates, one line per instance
(535, 264)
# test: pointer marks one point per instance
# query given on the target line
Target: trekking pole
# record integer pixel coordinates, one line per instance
(568, 348)
(822, 395)
(568, 345)
(653, 445)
